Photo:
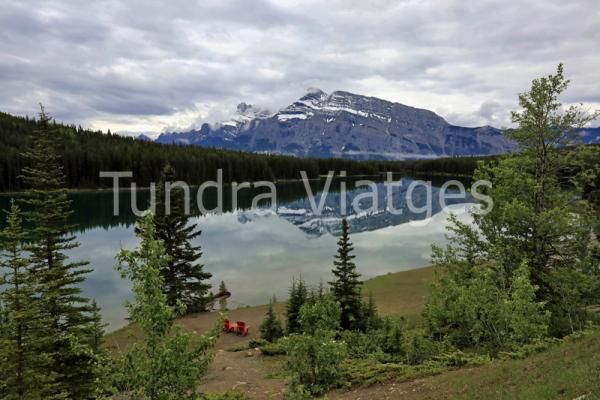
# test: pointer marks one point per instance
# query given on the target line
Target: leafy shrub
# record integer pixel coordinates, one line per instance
(459, 359)
(391, 336)
(361, 345)
(254, 343)
(274, 349)
(314, 356)
(298, 392)
(469, 307)
(228, 395)
(366, 372)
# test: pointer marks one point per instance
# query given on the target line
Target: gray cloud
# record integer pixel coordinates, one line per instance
(147, 65)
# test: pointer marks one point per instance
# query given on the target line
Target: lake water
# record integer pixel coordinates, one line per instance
(257, 251)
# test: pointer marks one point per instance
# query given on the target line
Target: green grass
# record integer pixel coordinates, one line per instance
(566, 371)
(398, 293)
(401, 293)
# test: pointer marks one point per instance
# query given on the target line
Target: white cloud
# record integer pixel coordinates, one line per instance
(148, 66)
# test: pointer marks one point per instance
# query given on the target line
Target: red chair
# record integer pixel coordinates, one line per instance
(242, 328)
(227, 326)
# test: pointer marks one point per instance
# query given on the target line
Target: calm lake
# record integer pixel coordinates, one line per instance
(257, 251)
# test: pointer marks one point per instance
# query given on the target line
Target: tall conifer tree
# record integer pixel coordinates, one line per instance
(25, 361)
(184, 278)
(223, 296)
(346, 288)
(298, 296)
(57, 278)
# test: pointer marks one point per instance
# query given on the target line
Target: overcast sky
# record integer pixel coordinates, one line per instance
(144, 66)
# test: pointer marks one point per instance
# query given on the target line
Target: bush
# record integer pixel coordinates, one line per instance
(274, 349)
(254, 343)
(298, 392)
(361, 345)
(469, 308)
(391, 337)
(459, 359)
(271, 329)
(356, 372)
(228, 395)
(314, 356)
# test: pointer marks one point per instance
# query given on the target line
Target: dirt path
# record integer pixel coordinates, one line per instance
(247, 371)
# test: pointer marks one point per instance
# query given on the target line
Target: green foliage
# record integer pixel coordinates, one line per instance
(228, 395)
(168, 363)
(391, 337)
(527, 268)
(369, 318)
(67, 313)
(367, 372)
(346, 288)
(85, 153)
(184, 279)
(26, 363)
(223, 298)
(298, 392)
(277, 348)
(314, 355)
(271, 328)
(479, 311)
(298, 296)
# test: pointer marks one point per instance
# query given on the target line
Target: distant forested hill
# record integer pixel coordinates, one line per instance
(85, 153)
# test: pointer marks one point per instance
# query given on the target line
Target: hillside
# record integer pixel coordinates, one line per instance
(347, 125)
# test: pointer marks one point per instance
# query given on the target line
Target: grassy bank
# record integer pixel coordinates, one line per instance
(565, 371)
(398, 293)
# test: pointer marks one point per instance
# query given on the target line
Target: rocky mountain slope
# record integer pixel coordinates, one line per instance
(347, 125)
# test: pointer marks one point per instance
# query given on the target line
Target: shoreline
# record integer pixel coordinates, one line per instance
(225, 184)
(372, 280)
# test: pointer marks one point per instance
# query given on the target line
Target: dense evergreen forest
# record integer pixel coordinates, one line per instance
(85, 153)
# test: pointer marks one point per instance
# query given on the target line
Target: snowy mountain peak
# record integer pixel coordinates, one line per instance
(314, 94)
(245, 113)
(344, 124)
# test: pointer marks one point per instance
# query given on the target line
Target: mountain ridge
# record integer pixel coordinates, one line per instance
(346, 125)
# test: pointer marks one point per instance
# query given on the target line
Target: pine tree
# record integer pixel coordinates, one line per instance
(271, 329)
(346, 288)
(370, 319)
(168, 363)
(223, 296)
(58, 279)
(184, 278)
(26, 371)
(298, 297)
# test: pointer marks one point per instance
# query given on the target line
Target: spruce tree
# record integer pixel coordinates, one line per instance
(223, 294)
(26, 370)
(298, 297)
(346, 288)
(370, 319)
(184, 278)
(271, 329)
(57, 279)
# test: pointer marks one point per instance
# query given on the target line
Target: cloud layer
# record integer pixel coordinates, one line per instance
(149, 66)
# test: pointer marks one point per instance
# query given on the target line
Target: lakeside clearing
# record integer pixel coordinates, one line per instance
(565, 371)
